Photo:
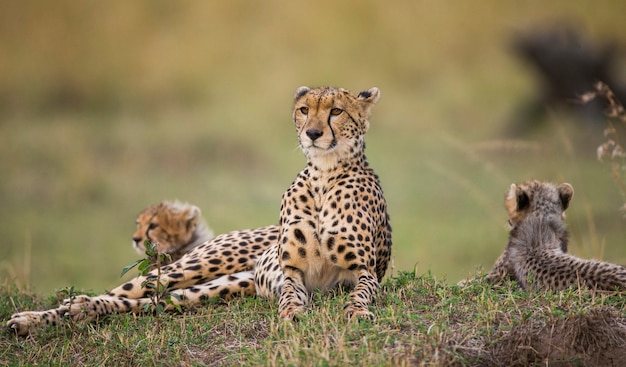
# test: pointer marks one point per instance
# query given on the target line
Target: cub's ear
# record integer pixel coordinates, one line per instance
(192, 216)
(566, 192)
(300, 92)
(371, 95)
(516, 200)
(193, 212)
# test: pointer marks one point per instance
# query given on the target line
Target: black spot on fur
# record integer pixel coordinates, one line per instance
(330, 243)
(299, 236)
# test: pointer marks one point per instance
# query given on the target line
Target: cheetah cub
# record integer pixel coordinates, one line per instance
(175, 227)
(334, 227)
(536, 253)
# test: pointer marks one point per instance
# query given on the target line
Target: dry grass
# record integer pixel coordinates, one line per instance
(419, 321)
(108, 109)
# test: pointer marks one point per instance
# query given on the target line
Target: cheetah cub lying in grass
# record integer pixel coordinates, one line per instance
(536, 255)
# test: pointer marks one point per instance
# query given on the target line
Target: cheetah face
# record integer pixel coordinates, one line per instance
(170, 225)
(537, 199)
(331, 122)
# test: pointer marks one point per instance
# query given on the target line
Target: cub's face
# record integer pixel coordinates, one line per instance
(170, 225)
(534, 198)
(331, 121)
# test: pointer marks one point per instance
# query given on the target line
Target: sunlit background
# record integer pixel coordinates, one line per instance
(107, 107)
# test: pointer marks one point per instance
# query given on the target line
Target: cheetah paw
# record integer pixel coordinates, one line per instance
(290, 312)
(353, 313)
(23, 323)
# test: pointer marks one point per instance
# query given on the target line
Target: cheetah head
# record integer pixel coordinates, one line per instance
(331, 122)
(175, 227)
(535, 198)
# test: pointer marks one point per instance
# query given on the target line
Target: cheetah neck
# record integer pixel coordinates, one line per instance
(320, 174)
(201, 235)
(540, 233)
(332, 162)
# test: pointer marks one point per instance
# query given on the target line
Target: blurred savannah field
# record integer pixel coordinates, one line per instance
(108, 107)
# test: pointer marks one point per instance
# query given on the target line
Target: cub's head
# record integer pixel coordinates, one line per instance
(175, 227)
(539, 199)
(331, 122)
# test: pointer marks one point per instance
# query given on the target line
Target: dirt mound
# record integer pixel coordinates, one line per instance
(594, 338)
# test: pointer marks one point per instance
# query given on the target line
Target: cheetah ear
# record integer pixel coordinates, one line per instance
(371, 95)
(566, 192)
(192, 217)
(510, 200)
(516, 200)
(300, 92)
(193, 212)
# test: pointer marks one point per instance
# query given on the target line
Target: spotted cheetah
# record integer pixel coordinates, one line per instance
(536, 255)
(334, 226)
(220, 267)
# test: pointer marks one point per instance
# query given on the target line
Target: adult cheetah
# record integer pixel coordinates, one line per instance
(536, 255)
(334, 226)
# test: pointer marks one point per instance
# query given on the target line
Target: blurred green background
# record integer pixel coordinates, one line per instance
(107, 107)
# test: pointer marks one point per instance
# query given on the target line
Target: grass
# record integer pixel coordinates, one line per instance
(418, 321)
(136, 103)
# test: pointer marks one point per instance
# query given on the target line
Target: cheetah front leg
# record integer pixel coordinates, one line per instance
(87, 308)
(361, 296)
(294, 295)
(225, 287)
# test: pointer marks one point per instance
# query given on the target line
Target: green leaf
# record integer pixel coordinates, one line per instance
(146, 307)
(150, 248)
(128, 267)
(144, 266)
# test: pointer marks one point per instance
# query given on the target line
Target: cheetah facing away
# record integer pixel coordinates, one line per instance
(536, 255)
(334, 226)
(222, 267)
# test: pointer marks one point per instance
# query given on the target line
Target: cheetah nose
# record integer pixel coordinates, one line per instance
(313, 134)
(136, 240)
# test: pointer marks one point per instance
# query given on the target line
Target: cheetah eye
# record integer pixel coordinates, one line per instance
(152, 225)
(304, 110)
(336, 111)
